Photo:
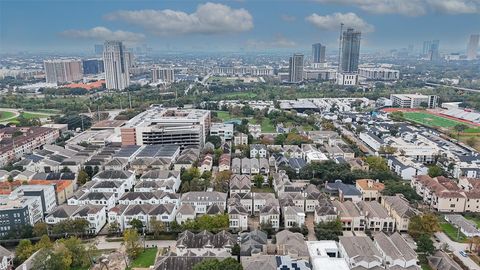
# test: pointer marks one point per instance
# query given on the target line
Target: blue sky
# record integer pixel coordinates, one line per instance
(251, 25)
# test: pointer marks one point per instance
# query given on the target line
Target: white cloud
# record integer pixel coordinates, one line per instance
(103, 33)
(209, 18)
(455, 6)
(278, 42)
(411, 7)
(332, 22)
(288, 18)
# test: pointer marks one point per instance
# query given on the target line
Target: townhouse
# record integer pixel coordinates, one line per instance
(399, 208)
(376, 216)
(350, 215)
(370, 189)
(360, 252)
(201, 200)
(159, 180)
(124, 214)
(395, 251)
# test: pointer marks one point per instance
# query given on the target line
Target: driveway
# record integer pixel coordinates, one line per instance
(456, 247)
(309, 222)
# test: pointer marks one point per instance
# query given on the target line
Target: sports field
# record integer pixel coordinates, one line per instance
(432, 120)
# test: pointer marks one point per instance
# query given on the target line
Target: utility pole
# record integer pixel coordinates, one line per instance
(130, 100)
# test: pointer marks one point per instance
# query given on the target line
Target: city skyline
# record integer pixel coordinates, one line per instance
(201, 26)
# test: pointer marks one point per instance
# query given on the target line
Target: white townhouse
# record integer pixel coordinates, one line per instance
(164, 180)
(201, 200)
(293, 216)
(155, 197)
(258, 151)
(124, 214)
(95, 198)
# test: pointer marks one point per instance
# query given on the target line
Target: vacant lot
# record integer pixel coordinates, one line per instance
(435, 121)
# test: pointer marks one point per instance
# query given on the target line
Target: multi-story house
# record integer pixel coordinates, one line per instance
(201, 200)
(258, 151)
(377, 218)
(399, 208)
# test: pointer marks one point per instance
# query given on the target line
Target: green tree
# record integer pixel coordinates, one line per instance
(75, 247)
(435, 170)
(258, 180)
(44, 243)
(425, 224)
(377, 163)
(393, 187)
(113, 228)
(40, 228)
(24, 250)
(136, 224)
(157, 227)
(280, 139)
(215, 140)
(59, 258)
(329, 230)
(131, 241)
(215, 264)
(425, 247)
(459, 129)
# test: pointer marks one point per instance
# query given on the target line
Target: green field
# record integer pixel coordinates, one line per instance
(31, 115)
(6, 115)
(145, 259)
(266, 124)
(474, 219)
(431, 120)
(452, 232)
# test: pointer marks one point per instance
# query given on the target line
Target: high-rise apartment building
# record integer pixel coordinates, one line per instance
(116, 64)
(296, 68)
(62, 70)
(165, 75)
(431, 50)
(92, 66)
(472, 47)
(318, 53)
(350, 51)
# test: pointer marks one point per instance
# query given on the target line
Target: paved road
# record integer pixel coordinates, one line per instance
(456, 247)
(355, 139)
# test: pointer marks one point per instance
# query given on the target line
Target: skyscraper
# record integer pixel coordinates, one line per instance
(92, 66)
(472, 47)
(318, 53)
(350, 51)
(62, 71)
(295, 70)
(431, 50)
(116, 65)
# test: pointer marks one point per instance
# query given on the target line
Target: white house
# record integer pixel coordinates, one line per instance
(201, 200)
(258, 151)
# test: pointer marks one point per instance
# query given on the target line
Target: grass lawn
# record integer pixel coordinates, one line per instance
(6, 115)
(145, 259)
(263, 189)
(236, 95)
(452, 232)
(225, 116)
(431, 120)
(30, 115)
(266, 124)
(426, 267)
(474, 219)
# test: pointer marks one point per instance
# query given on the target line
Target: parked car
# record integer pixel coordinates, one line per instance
(463, 253)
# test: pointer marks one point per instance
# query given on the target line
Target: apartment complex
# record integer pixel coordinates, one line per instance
(158, 125)
(414, 100)
(166, 75)
(63, 70)
(16, 142)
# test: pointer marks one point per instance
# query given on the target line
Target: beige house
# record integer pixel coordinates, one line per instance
(370, 189)
(399, 208)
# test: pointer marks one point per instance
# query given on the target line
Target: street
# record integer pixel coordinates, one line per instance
(456, 247)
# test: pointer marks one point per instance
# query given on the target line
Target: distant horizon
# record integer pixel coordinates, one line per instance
(233, 26)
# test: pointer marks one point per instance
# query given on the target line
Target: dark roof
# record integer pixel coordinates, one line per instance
(113, 174)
